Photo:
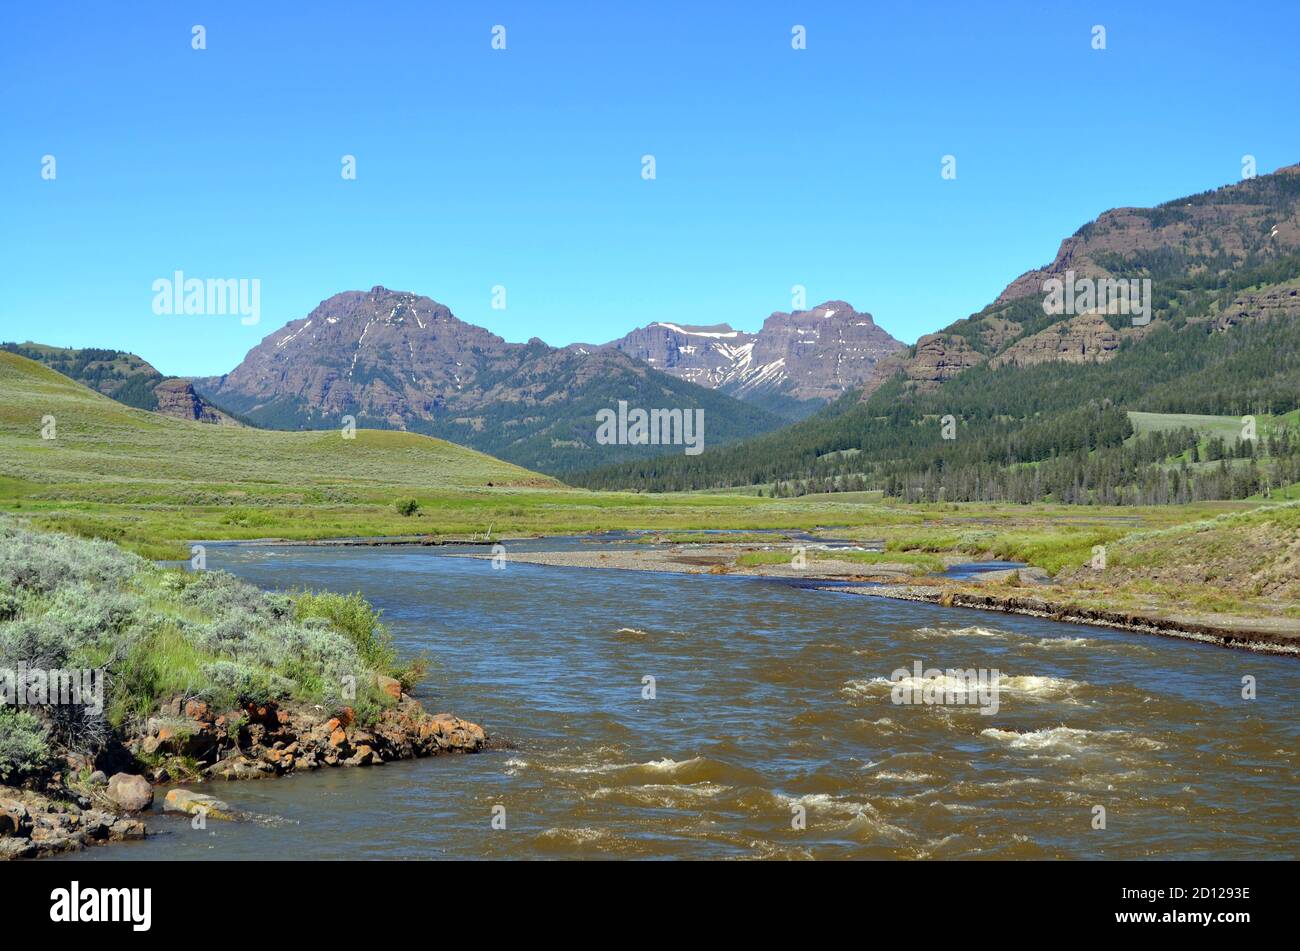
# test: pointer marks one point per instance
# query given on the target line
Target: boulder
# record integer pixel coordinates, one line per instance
(130, 793)
(16, 849)
(15, 820)
(239, 767)
(364, 756)
(127, 829)
(389, 685)
(180, 737)
(197, 710)
(192, 803)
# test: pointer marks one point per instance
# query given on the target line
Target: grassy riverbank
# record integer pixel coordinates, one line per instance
(117, 674)
(81, 605)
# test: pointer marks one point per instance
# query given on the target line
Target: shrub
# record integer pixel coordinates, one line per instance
(354, 617)
(23, 749)
(407, 507)
(34, 642)
(223, 595)
(44, 561)
(228, 683)
(89, 618)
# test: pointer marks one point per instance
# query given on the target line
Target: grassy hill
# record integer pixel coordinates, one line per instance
(1241, 564)
(105, 454)
(128, 379)
(154, 483)
(122, 376)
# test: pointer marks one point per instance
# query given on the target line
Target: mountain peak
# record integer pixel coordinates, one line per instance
(399, 360)
(796, 362)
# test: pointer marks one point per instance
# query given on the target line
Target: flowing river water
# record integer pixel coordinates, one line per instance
(772, 702)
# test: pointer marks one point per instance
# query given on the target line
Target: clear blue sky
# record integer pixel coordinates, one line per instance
(522, 168)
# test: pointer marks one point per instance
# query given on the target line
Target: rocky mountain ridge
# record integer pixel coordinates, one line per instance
(399, 360)
(794, 364)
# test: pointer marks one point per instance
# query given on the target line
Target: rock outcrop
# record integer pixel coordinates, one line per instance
(1255, 220)
(1087, 338)
(176, 398)
(1281, 302)
(940, 357)
(189, 740)
(34, 824)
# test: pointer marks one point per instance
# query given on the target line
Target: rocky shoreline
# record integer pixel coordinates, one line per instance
(187, 741)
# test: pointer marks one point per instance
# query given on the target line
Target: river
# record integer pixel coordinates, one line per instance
(771, 732)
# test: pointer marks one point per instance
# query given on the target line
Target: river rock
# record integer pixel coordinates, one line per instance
(192, 803)
(389, 685)
(131, 793)
(13, 848)
(15, 820)
(240, 767)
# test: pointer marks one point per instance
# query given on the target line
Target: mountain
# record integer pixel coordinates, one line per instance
(396, 360)
(1040, 401)
(126, 378)
(1187, 246)
(795, 364)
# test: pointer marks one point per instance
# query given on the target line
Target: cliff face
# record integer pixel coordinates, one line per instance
(939, 358)
(1281, 302)
(1086, 338)
(1253, 218)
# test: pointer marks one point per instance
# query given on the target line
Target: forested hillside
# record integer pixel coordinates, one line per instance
(1039, 403)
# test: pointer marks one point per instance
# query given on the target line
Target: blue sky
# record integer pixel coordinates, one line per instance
(522, 167)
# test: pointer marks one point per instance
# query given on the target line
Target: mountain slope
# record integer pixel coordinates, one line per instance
(1039, 401)
(1185, 247)
(796, 363)
(126, 378)
(397, 360)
